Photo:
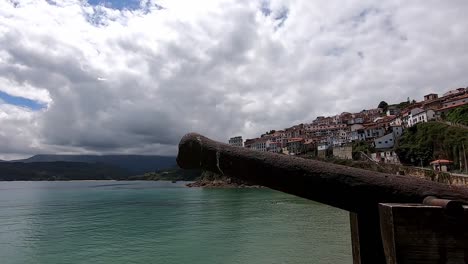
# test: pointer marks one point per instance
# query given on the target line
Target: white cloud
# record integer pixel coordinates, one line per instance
(136, 81)
(24, 90)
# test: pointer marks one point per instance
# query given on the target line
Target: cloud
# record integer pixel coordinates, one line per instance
(136, 80)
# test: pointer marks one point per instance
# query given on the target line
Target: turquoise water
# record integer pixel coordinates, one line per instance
(160, 222)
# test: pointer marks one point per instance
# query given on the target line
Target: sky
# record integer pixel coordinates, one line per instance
(132, 77)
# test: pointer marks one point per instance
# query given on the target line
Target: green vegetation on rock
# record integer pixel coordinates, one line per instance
(425, 142)
(458, 115)
(362, 147)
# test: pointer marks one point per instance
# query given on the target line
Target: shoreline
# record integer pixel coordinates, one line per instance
(222, 185)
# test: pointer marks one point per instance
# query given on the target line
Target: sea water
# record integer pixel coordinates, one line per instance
(162, 222)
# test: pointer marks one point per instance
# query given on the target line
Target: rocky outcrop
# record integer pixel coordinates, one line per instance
(213, 180)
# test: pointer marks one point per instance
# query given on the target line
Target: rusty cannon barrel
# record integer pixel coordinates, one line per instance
(351, 189)
(392, 217)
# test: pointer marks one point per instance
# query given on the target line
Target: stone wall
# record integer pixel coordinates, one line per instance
(345, 152)
(437, 176)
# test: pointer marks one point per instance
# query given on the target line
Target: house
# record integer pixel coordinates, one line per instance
(388, 156)
(459, 100)
(355, 120)
(452, 103)
(353, 136)
(372, 131)
(385, 142)
(419, 115)
(248, 143)
(445, 110)
(432, 104)
(441, 165)
(388, 141)
(396, 121)
(375, 111)
(431, 96)
(295, 146)
(273, 146)
(309, 145)
(397, 130)
(393, 111)
(236, 141)
(454, 92)
(259, 144)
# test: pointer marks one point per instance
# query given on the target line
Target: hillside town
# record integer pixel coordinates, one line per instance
(380, 128)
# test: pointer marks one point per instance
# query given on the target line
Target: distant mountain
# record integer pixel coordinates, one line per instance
(35, 171)
(134, 164)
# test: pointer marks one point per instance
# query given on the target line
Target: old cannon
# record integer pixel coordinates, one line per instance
(394, 219)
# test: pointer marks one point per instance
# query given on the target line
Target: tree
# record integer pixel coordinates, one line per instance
(383, 105)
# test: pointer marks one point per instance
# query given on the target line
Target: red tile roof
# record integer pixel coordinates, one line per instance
(295, 139)
(441, 161)
(452, 106)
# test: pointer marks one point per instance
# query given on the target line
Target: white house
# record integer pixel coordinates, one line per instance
(388, 141)
(419, 115)
(385, 157)
(396, 122)
(385, 142)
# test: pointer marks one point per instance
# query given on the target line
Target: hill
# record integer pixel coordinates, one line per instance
(59, 170)
(425, 142)
(134, 164)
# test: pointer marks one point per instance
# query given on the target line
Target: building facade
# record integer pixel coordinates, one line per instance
(236, 141)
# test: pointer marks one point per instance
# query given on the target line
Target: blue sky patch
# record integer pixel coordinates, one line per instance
(126, 4)
(21, 101)
(117, 4)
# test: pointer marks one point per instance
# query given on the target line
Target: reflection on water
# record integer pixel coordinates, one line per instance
(161, 222)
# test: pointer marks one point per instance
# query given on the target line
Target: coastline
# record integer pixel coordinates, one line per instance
(221, 184)
(212, 180)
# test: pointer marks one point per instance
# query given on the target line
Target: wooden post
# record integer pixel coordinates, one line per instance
(366, 239)
(422, 234)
